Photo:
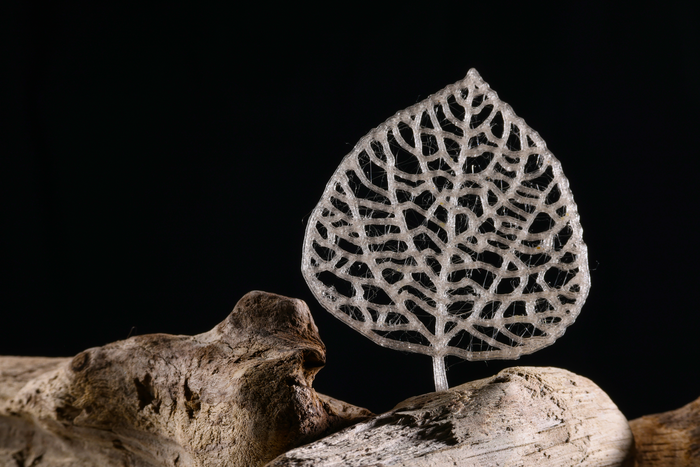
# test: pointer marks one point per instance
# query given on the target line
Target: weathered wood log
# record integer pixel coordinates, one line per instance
(669, 439)
(521, 417)
(239, 394)
(15, 372)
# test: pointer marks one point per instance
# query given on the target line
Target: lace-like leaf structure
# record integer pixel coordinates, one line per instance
(450, 229)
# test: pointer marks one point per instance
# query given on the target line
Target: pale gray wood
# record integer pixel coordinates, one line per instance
(523, 416)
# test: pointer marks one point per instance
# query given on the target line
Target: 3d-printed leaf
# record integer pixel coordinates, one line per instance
(450, 229)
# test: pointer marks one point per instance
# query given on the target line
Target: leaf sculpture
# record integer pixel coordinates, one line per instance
(450, 229)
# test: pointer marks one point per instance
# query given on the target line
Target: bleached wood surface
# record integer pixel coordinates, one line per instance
(523, 416)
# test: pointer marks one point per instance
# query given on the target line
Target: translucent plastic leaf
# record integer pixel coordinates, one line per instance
(450, 229)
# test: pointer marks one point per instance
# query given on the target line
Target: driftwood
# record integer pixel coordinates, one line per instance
(241, 395)
(522, 416)
(668, 439)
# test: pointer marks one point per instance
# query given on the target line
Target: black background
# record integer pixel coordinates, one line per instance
(159, 163)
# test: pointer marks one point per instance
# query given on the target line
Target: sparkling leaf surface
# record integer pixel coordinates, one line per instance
(450, 229)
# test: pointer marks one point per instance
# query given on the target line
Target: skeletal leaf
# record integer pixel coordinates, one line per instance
(450, 229)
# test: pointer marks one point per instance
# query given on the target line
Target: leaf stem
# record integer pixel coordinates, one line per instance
(439, 373)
